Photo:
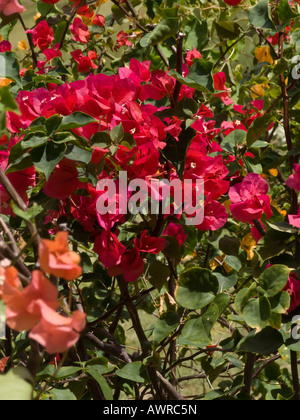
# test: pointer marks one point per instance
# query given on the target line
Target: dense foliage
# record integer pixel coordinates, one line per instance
(145, 304)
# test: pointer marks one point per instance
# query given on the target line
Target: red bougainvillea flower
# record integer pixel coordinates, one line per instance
(57, 259)
(2, 279)
(85, 63)
(132, 265)
(63, 181)
(23, 306)
(293, 289)
(109, 249)
(177, 231)
(219, 82)
(9, 7)
(295, 219)
(5, 46)
(99, 20)
(249, 199)
(149, 244)
(3, 140)
(80, 31)
(191, 56)
(42, 35)
(122, 40)
(215, 216)
(294, 180)
(232, 2)
(50, 1)
(55, 332)
(161, 85)
(3, 363)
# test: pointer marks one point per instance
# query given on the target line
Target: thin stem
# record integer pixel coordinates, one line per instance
(295, 375)
(179, 68)
(248, 373)
(140, 334)
(30, 41)
(11, 191)
(69, 23)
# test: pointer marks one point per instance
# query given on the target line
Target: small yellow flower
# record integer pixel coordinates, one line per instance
(263, 55)
(248, 244)
(22, 45)
(226, 204)
(88, 20)
(218, 262)
(99, 2)
(274, 172)
(258, 90)
(37, 16)
(282, 212)
(5, 82)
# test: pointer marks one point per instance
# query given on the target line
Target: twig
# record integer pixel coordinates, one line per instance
(69, 23)
(248, 373)
(179, 68)
(169, 387)
(140, 334)
(30, 41)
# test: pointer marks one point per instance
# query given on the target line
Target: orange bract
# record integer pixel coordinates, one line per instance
(57, 259)
(58, 333)
(23, 306)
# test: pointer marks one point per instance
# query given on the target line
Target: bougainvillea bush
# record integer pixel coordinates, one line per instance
(129, 106)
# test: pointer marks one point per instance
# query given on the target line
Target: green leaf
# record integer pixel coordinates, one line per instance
(46, 158)
(62, 395)
(175, 151)
(14, 385)
(79, 154)
(52, 124)
(196, 34)
(66, 372)
(199, 78)
(159, 274)
(7, 101)
(280, 303)
(101, 139)
(96, 374)
(274, 279)
(197, 331)
(257, 312)
(233, 140)
(283, 227)
(258, 128)
(135, 372)
(226, 282)
(76, 120)
(117, 133)
(31, 214)
(165, 326)
(197, 287)
(285, 13)
(259, 16)
(243, 297)
(264, 342)
(164, 30)
(30, 141)
(227, 29)
(9, 67)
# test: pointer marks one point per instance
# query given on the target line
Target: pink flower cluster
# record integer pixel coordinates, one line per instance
(124, 99)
